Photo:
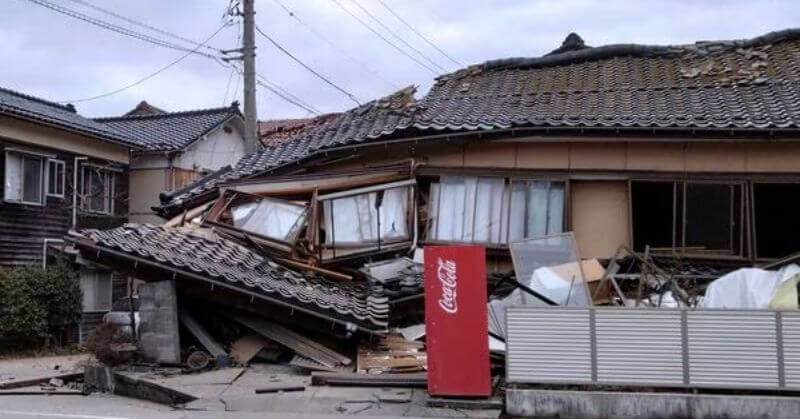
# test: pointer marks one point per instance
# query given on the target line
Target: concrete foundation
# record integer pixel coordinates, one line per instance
(598, 404)
(159, 339)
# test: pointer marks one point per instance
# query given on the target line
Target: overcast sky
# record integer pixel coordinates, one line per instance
(51, 55)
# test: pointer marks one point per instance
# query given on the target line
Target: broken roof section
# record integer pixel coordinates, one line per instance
(204, 256)
(169, 131)
(745, 85)
(276, 131)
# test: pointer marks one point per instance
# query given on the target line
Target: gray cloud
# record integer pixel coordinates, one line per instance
(59, 58)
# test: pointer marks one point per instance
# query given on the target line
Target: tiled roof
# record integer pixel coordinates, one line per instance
(144, 108)
(20, 105)
(276, 131)
(170, 130)
(743, 85)
(202, 252)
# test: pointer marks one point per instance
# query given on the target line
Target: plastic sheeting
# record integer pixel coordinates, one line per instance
(753, 288)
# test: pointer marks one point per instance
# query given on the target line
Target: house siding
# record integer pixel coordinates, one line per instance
(24, 227)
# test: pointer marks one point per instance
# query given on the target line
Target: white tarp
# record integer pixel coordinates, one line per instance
(751, 288)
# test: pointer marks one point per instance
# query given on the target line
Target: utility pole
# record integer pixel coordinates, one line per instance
(249, 58)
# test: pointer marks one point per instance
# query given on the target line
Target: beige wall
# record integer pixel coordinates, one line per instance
(599, 216)
(26, 132)
(754, 157)
(145, 185)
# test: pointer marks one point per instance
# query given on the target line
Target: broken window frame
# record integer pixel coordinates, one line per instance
(285, 244)
(508, 182)
(355, 249)
(680, 249)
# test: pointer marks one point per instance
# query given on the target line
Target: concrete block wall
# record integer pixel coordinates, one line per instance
(159, 340)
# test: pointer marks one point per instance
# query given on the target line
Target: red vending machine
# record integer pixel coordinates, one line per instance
(456, 321)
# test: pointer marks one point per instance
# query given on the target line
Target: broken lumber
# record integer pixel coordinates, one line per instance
(294, 341)
(30, 381)
(205, 339)
(244, 349)
(369, 380)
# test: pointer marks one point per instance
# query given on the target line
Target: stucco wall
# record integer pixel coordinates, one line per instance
(599, 215)
(217, 149)
(145, 185)
(26, 132)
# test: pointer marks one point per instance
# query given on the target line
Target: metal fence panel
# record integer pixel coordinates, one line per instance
(548, 346)
(644, 348)
(731, 348)
(790, 325)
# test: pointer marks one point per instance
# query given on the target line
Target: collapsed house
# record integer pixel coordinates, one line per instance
(688, 156)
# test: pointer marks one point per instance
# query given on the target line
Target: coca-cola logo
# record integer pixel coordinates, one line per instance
(446, 272)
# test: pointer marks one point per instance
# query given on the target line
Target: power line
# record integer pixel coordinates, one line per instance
(314, 72)
(118, 29)
(453, 60)
(330, 43)
(396, 36)
(283, 94)
(143, 25)
(148, 77)
(379, 35)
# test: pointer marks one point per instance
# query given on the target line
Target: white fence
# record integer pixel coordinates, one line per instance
(744, 349)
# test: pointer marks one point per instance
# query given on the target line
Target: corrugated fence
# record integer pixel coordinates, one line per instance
(747, 349)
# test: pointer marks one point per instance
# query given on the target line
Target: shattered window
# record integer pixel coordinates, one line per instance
(494, 210)
(270, 218)
(267, 217)
(373, 217)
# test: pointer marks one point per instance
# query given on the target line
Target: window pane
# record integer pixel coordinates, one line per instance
(537, 208)
(555, 210)
(488, 208)
(32, 179)
(354, 219)
(103, 295)
(269, 218)
(451, 209)
(516, 230)
(55, 177)
(13, 184)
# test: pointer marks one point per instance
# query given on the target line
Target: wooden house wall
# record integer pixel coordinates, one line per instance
(23, 228)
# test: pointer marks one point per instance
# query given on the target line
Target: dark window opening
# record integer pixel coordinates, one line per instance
(652, 204)
(690, 217)
(776, 218)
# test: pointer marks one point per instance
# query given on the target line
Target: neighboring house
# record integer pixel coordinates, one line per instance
(693, 150)
(61, 172)
(175, 149)
(275, 131)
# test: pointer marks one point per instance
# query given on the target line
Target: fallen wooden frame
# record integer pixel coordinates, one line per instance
(31, 381)
(369, 380)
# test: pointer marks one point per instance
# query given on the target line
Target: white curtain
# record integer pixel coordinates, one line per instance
(268, 217)
(487, 210)
(13, 184)
(354, 219)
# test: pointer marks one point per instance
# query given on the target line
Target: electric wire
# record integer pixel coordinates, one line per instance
(379, 35)
(424, 38)
(396, 36)
(336, 48)
(307, 67)
(119, 29)
(143, 25)
(149, 76)
(230, 76)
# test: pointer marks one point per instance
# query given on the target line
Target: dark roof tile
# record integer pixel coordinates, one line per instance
(169, 131)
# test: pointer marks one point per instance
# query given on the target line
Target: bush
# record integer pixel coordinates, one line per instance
(36, 303)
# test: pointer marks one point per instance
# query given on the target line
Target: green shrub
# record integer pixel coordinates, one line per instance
(35, 302)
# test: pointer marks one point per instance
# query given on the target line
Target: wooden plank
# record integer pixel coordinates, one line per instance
(277, 389)
(294, 341)
(205, 339)
(245, 348)
(369, 380)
